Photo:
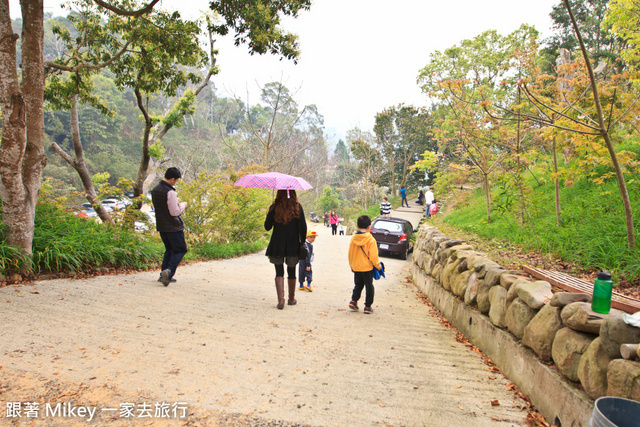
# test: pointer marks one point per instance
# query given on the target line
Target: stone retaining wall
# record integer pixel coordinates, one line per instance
(523, 327)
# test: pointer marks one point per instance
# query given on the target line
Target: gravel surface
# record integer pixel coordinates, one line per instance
(215, 343)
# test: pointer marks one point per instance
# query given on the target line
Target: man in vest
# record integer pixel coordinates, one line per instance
(169, 223)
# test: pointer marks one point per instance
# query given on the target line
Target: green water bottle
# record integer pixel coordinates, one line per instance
(602, 288)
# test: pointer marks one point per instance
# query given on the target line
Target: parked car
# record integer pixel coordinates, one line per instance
(393, 235)
(150, 221)
(89, 211)
(116, 203)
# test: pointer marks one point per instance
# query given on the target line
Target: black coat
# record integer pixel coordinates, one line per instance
(165, 222)
(286, 238)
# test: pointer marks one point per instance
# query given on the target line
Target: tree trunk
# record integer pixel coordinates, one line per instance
(393, 184)
(79, 164)
(143, 167)
(556, 182)
(22, 157)
(624, 194)
(392, 166)
(519, 173)
(628, 213)
(487, 194)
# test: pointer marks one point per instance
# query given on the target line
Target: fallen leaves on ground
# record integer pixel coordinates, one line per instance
(534, 418)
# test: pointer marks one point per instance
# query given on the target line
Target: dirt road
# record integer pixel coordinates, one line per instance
(215, 343)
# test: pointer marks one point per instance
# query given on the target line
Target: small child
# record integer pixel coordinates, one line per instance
(363, 257)
(341, 230)
(304, 271)
(433, 209)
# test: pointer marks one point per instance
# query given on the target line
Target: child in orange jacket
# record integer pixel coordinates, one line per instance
(363, 257)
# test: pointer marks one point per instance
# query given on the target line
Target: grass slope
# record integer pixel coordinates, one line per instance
(592, 235)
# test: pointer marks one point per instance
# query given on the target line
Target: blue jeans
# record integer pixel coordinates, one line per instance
(175, 248)
(363, 279)
(427, 212)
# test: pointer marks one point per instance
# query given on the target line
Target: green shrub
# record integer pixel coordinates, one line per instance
(227, 250)
(220, 212)
(330, 199)
(12, 259)
(63, 242)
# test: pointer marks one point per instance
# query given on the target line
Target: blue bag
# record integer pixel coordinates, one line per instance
(377, 274)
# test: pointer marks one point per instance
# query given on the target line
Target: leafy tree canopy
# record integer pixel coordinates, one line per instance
(257, 23)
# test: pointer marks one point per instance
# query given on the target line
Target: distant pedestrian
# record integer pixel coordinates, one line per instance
(433, 208)
(403, 194)
(363, 258)
(420, 200)
(428, 200)
(286, 217)
(304, 270)
(334, 221)
(169, 224)
(326, 219)
(385, 207)
(341, 230)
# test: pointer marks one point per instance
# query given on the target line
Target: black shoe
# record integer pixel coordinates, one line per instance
(170, 281)
(165, 277)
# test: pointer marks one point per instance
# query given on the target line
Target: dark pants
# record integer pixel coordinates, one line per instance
(404, 201)
(279, 263)
(363, 279)
(175, 248)
(334, 229)
(303, 275)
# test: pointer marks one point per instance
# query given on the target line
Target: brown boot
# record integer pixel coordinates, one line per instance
(280, 292)
(292, 291)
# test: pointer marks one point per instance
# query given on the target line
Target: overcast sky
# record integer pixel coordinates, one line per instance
(361, 56)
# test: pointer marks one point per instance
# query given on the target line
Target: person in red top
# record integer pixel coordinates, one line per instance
(334, 221)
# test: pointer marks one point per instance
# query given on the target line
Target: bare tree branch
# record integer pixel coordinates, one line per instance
(122, 12)
(85, 65)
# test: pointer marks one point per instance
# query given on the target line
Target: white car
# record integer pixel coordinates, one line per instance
(115, 203)
(144, 225)
(88, 209)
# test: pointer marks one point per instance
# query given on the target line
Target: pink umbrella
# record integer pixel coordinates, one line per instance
(273, 181)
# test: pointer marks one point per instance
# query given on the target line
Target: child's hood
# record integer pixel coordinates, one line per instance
(362, 239)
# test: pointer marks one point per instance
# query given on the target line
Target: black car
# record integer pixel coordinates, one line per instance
(393, 235)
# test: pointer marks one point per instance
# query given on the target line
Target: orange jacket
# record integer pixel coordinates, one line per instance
(357, 259)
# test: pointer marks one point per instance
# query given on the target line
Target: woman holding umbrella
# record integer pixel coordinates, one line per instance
(286, 217)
